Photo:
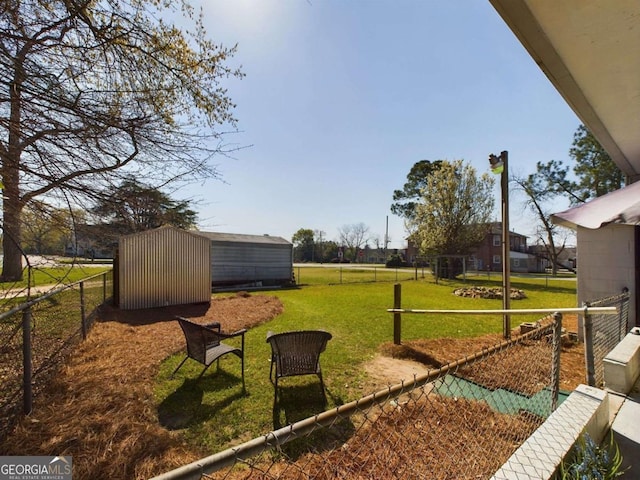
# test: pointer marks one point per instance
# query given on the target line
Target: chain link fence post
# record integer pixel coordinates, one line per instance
(27, 361)
(588, 347)
(83, 316)
(397, 316)
(555, 364)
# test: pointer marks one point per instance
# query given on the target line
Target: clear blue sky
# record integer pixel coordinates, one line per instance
(341, 98)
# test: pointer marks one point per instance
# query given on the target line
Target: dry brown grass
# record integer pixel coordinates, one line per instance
(100, 408)
(425, 439)
(440, 351)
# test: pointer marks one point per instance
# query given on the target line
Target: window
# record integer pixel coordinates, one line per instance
(496, 259)
(496, 242)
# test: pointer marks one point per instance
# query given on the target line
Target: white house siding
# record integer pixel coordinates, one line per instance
(161, 267)
(606, 263)
(519, 262)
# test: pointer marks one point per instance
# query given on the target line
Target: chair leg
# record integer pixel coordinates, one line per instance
(202, 373)
(324, 390)
(275, 392)
(242, 362)
(178, 367)
(271, 369)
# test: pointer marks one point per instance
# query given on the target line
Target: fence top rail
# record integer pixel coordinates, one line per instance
(50, 293)
(586, 310)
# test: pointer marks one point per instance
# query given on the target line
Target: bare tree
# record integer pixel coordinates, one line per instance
(353, 237)
(596, 175)
(538, 191)
(47, 230)
(96, 91)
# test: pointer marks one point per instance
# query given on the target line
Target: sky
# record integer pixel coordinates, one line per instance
(342, 97)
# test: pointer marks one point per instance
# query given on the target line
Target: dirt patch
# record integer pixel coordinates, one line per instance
(384, 371)
(395, 363)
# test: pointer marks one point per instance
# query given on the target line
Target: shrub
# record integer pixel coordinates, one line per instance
(396, 261)
(591, 461)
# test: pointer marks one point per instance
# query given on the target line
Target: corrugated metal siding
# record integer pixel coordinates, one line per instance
(161, 267)
(250, 262)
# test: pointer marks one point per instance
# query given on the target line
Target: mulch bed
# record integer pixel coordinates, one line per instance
(100, 407)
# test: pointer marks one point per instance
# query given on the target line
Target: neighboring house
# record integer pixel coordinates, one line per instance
(588, 50)
(372, 255)
(412, 253)
(567, 258)
(488, 255)
(92, 241)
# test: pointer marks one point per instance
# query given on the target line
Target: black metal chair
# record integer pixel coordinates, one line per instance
(204, 344)
(296, 353)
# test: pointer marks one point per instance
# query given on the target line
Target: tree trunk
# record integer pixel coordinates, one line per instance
(12, 258)
(11, 226)
(12, 204)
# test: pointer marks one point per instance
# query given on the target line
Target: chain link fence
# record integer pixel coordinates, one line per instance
(37, 334)
(460, 421)
(354, 273)
(602, 333)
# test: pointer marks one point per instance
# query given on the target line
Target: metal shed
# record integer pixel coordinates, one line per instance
(251, 260)
(161, 267)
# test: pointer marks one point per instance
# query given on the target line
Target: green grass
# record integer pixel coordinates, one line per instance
(54, 275)
(340, 274)
(215, 414)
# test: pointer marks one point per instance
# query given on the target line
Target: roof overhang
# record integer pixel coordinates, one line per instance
(621, 207)
(589, 51)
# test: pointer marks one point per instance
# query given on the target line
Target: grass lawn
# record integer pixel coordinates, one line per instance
(54, 275)
(214, 413)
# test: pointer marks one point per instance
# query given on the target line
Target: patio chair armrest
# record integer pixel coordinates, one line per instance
(234, 334)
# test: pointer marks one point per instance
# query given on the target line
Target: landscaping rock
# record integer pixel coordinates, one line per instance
(488, 292)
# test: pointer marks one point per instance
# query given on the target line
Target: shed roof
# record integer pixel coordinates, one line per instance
(621, 206)
(244, 238)
(160, 230)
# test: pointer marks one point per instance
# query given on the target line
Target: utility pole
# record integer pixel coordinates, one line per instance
(319, 234)
(499, 165)
(386, 239)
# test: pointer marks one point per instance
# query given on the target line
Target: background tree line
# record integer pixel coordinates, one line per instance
(313, 246)
(132, 207)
